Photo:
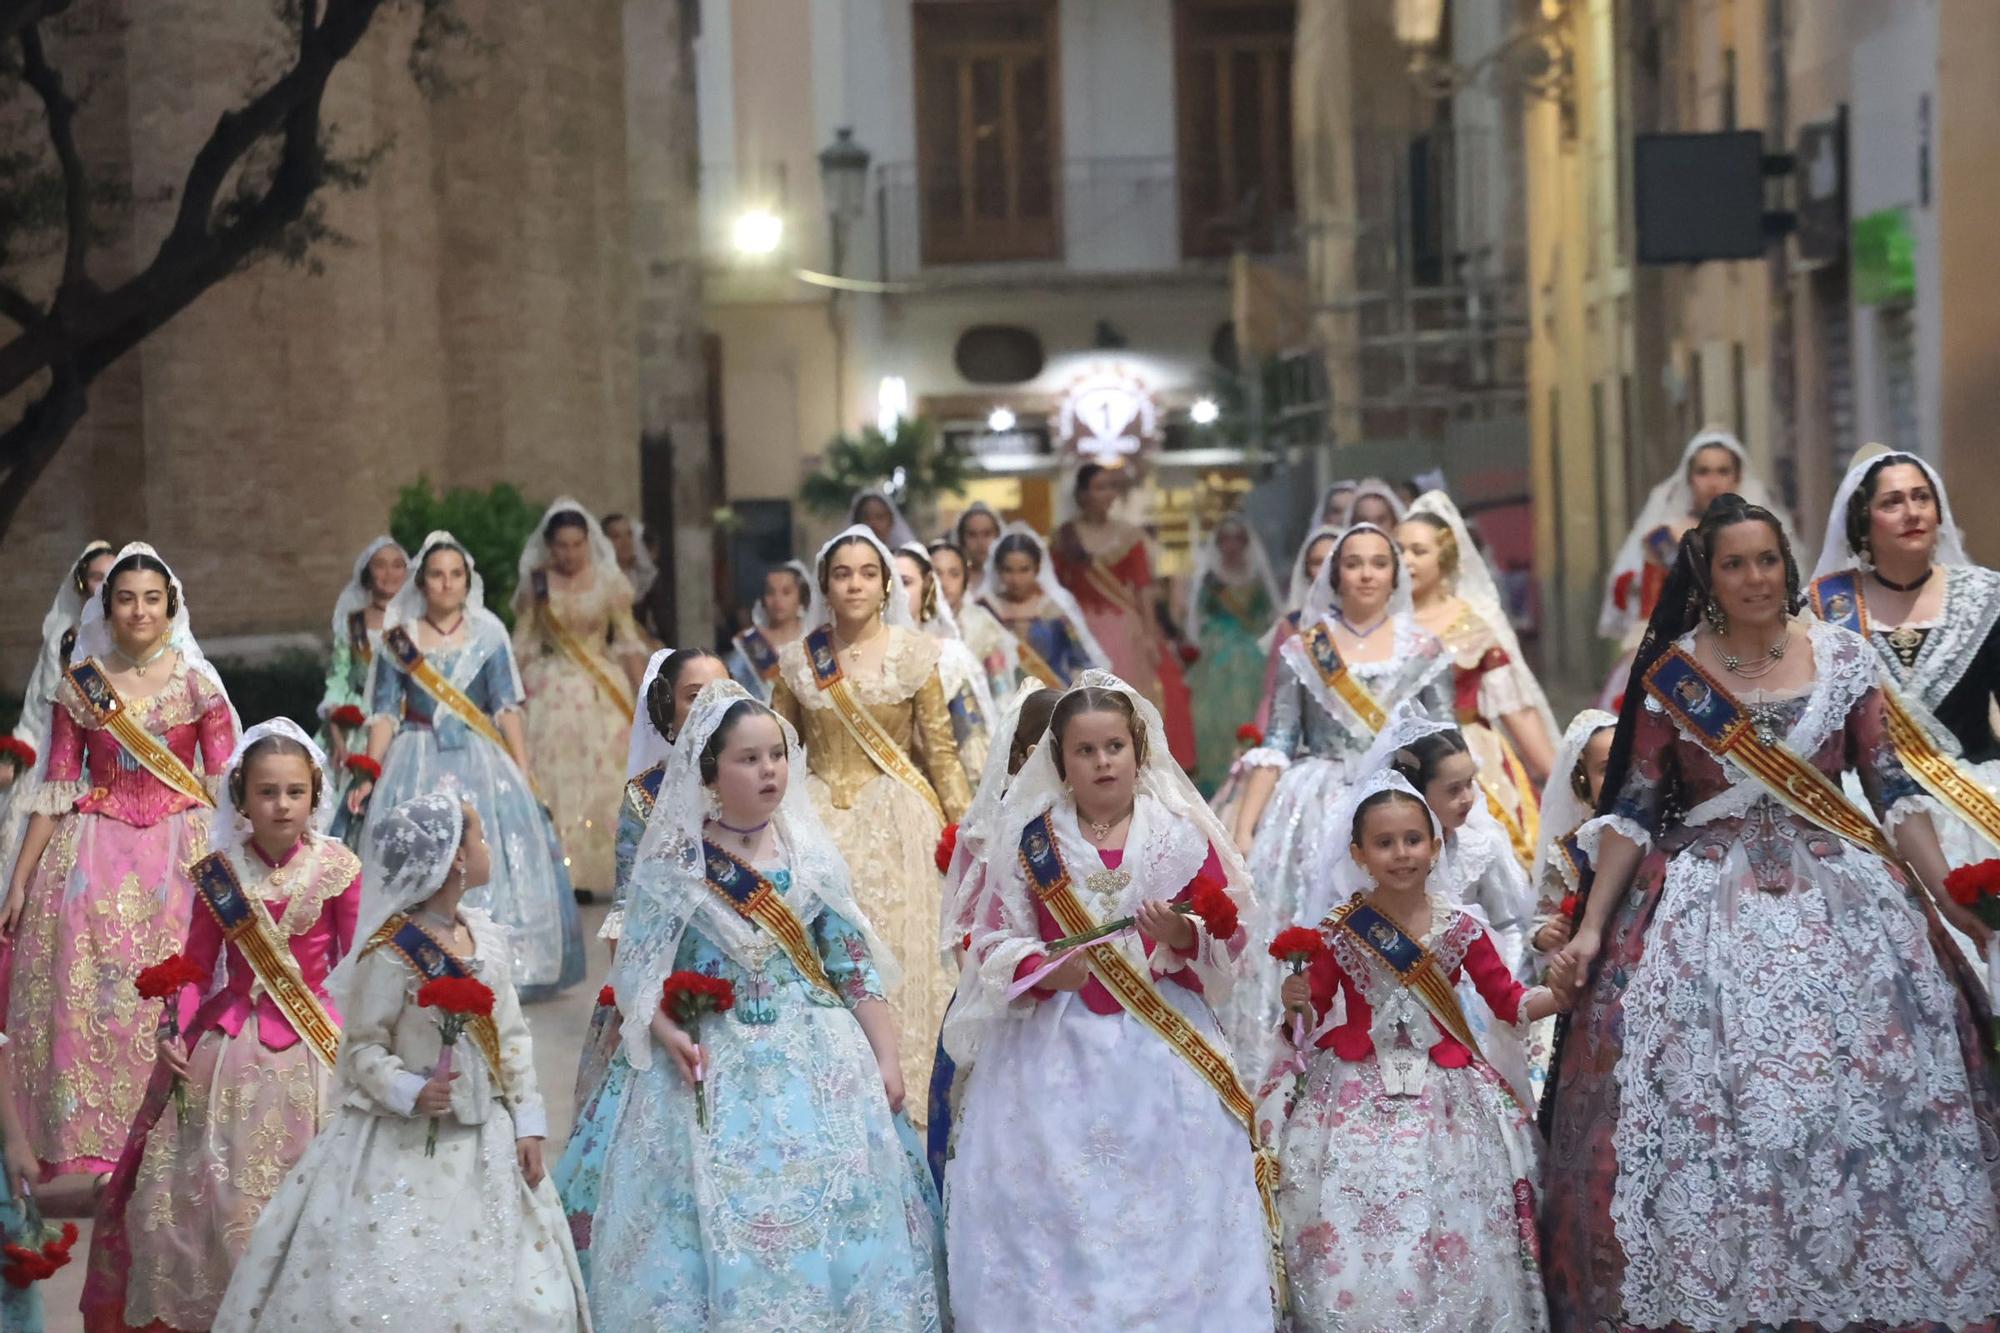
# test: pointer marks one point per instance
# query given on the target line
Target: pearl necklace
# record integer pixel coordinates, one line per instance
(139, 666)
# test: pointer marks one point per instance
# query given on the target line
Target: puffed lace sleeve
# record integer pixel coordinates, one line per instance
(1285, 737)
(62, 784)
(1890, 788)
(386, 683)
(497, 687)
(1637, 809)
(1505, 687)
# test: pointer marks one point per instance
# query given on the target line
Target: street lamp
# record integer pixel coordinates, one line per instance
(843, 179)
(757, 233)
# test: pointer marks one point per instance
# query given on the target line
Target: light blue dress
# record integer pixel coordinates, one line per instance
(804, 1204)
(21, 1307)
(529, 892)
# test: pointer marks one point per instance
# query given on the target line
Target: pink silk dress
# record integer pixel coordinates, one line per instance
(179, 1208)
(1111, 587)
(109, 897)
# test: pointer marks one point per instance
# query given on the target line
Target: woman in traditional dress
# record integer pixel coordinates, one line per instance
(1894, 569)
(1496, 699)
(1105, 564)
(445, 714)
(992, 646)
(1776, 1097)
(423, 1204)
(1360, 653)
(1713, 463)
(964, 681)
(379, 574)
(278, 905)
(1052, 640)
(1375, 501)
(580, 656)
(1105, 1174)
(82, 583)
(788, 1192)
(863, 692)
(1408, 1175)
(1232, 601)
(1331, 512)
(874, 510)
(673, 680)
(628, 542)
(779, 618)
(141, 730)
(975, 533)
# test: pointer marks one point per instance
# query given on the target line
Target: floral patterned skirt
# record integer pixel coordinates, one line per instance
(579, 1173)
(180, 1207)
(1414, 1214)
(577, 740)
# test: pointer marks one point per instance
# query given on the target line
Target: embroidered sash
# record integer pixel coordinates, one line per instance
(404, 649)
(888, 756)
(1523, 832)
(644, 790)
(357, 637)
(1412, 964)
(1722, 726)
(1038, 666)
(1098, 571)
(559, 633)
(431, 960)
(966, 719)
(246, 922)
(1575, 862)
(759, 653)
(1837, 600)
(109, 712)
(758, 901)
(1323, 655)
(1661, 546)
(1135, 991)
(1937, 772)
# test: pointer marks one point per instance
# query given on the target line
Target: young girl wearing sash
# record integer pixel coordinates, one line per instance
(101, 889)
(1107, 1173)
(1496, 699)
(379, 574)
(992, 646)
(673, 680)
(1407, 1164)
(1105, 564)
(1052, 641)
(791, 1194)
(1774, 1102)
(863, 692)
(964, 680)
(374, 1228)
(445, 714)
(975, 533)
(277, 901)
(778, 619)
(1894, 570)
(1232, 601)
(580, 655)
(1359, 654)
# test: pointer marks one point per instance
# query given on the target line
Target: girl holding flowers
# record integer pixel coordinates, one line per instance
(1408, 1172)
(762, 1175)
(379, 573)
(275, 907)
(1104, 1175)
(373, 1228)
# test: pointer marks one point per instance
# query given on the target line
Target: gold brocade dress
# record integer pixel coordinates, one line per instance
(1487, 686)
(888, 832)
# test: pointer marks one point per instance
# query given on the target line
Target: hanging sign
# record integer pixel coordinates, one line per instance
(1109, 416)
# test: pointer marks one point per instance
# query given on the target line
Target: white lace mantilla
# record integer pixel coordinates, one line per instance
(1971, 608)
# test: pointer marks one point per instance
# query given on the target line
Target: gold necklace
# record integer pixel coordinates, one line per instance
(1100, 831)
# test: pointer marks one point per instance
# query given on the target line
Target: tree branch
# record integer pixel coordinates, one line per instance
(15, 305)
(61, 112)
(18, 15)
(30, 443)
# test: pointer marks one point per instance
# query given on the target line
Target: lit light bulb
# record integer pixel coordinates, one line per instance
(758, 232)
(1204, 412)
(1000, 420)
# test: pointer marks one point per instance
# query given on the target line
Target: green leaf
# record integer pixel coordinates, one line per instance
(856, 462)
(492, 524)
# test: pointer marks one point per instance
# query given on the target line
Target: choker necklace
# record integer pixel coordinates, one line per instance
(745, 833)
(444, 633)
(449, 923)
(1361, 633)
(139, 666)
(1100, 831)
(1914, 584)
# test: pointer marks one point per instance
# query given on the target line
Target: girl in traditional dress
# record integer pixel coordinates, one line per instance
(882, 516)
(1375, 501)
(778, 618)
(1713, 463)
(82, 583)
(140, 729)
(580, 657)
(20, 1307)
(1105, 1174)
(673, 680)
(975, 533)
(278, 905)
(1052, 640)
(964, 680)
(1232, 601)
(1360, 654)
(1495, 697)
(1775, 1100)
(992, 646)
(1105, 564)
(791, 1194)
(379, 574)
(423, 1203)
(628, 543)
(445, 714)
(862, 690)
(1894, 569)
(1560, 863)
(1331, 512)
(1407, 1165)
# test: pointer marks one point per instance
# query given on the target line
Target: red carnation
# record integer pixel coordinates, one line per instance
(1190, 654)
(1570, 904)
(686, 996)
(347, 715)
(458, 1000)
(164, 979)
(607, 999)
(1298, 945)
(965, 941)
(17, 752)
(1247, 734)
(947, 845)
(38, 1261)
(1208, 898)
(361, 766)
(1968, 885)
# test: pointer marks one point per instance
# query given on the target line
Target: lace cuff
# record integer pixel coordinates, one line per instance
(1902, 809)
(392, 719)
(531, 1120)
(1591, 834)
(1504, 690)
(614, 925)
(56, 799)
(1265, 756)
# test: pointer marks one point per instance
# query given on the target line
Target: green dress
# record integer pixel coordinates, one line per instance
(1229, 678)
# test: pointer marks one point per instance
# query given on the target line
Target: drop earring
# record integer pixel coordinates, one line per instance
(712, 804)
(1712, 612)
